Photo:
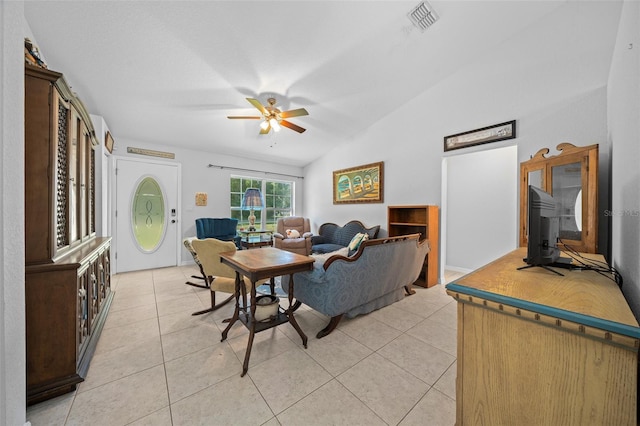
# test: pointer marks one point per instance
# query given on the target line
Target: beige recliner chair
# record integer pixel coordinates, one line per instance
(300, 245)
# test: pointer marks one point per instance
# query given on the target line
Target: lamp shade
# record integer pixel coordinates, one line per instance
(252, 199)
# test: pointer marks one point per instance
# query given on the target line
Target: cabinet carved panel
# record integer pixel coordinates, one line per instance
(62, 231)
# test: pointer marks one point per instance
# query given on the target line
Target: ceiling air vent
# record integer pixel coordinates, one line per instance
(423, 16)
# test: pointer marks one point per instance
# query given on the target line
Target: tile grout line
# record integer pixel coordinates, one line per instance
(164, 364)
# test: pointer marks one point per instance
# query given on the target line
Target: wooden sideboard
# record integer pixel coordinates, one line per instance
(536, 348)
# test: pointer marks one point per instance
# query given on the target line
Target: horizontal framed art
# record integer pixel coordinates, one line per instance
(362, 184)
(495, 133)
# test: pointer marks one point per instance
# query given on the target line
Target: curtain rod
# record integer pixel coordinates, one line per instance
(257, 171)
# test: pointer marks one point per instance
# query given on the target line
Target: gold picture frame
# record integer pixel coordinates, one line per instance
(201, 198)
(108, 142)
(362, 184)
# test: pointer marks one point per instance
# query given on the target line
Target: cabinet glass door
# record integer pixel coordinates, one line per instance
(536, 178)
(567, 192)
(74, 177)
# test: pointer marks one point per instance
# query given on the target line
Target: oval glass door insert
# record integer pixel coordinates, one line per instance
(148, 215)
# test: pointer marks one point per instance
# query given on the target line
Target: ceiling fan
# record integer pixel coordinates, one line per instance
(272, 117)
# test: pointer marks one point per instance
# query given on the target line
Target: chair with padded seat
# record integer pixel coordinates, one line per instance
(300, 245)
(202, 276)
(220, 228)
(220, 277)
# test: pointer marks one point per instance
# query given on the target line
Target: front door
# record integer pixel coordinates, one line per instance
(146, 214)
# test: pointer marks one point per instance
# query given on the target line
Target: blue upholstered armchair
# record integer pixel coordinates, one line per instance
(223, 229)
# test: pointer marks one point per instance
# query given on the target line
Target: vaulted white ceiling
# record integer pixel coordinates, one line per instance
(169, 72)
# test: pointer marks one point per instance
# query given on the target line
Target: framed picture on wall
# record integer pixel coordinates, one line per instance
(495, 133)
(108, 142)
(362, 184)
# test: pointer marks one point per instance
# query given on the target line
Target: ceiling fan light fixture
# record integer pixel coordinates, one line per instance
(272, 117)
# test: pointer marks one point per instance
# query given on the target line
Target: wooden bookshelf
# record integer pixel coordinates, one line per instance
(422, 219)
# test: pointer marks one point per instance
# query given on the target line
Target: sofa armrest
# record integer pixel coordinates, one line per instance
(317, 239)
(278, 235)
(307, 235)
(336, 257)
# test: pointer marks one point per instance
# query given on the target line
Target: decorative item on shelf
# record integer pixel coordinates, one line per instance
(252, 199)
(201, 198)
(495, 133)
(266, 307)
(362, 184)
(32, 54)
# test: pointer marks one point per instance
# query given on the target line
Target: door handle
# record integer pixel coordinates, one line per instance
(173, 221)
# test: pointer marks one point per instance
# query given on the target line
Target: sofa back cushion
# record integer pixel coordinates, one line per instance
(351, 229)
(219, 228)
(342, 235)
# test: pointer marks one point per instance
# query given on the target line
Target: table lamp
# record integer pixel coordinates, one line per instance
(252, 199)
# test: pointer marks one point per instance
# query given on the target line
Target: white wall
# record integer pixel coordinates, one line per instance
(481, 193)
(12, 314)
(198, 177)
(410, 139)
(103, 191)
(624, 133)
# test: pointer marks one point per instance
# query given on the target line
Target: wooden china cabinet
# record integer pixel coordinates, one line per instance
(571, 177)
(67, 268)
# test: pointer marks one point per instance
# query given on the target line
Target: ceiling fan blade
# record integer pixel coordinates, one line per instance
(265, 131)
(292, 126)
(256, 103)
(235, 117)
(294, 113)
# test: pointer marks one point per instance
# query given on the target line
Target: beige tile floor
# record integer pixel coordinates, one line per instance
(155, 364)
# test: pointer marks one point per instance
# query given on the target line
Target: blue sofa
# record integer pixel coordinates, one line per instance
(378, 274)
(332, 237)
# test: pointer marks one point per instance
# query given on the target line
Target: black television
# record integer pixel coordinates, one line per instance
(544, 229)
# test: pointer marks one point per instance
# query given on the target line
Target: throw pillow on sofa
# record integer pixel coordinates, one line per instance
(356, 241)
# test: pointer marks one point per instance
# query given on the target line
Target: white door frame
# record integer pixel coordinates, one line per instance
(445, 214)
(113, 197)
